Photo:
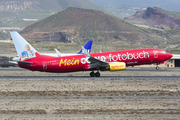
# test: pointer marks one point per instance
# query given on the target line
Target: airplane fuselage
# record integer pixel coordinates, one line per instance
(79, 62)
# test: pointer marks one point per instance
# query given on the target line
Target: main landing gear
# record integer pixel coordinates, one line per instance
(97, 74)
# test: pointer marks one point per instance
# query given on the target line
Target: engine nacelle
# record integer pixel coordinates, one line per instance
(117, 66)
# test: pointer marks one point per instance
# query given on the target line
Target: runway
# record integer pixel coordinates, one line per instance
(136, 93)
(129, 73)
(146, 92)
(88, 78)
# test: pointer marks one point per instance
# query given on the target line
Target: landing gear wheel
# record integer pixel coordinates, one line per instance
(92, 74)
(157, 68)
(97, 74)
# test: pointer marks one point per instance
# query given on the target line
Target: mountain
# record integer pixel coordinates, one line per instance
(156, 17)
(171, 5)
(79, 24)
(165, 24)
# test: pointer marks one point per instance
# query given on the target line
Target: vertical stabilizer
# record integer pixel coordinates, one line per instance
(23, 48)
(87, 47)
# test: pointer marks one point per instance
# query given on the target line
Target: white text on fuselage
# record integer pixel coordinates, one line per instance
(120, 57)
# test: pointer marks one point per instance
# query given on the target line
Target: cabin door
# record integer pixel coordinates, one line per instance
(155, 54)
(44, 65)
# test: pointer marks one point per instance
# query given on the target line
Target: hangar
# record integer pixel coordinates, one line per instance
(175, 60)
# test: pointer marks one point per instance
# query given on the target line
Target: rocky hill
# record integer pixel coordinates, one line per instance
(156, 17)
(83, 24)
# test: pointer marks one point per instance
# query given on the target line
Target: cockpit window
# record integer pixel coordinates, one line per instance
(163, 52)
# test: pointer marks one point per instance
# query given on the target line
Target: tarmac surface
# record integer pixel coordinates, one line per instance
(133, 94)
(87, 77)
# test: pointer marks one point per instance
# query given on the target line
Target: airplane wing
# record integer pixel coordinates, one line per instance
(87, 48)
(94, 63)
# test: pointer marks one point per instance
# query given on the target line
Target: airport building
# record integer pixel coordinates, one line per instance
(173, 62)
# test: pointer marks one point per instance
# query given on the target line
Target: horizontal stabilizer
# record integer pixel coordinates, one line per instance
(25, 63)
(14, 62)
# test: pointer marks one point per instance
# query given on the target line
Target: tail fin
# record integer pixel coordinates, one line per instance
(23, 48)
(87, 47)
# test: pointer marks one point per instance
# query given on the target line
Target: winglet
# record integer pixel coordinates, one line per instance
(58, 53)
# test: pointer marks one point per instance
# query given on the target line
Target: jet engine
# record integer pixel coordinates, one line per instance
(116, 66)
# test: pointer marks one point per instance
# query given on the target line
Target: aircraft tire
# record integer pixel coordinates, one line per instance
(157, 68)
(92, 74)
(97, 74)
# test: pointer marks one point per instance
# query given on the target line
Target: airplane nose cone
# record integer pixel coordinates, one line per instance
(169, 55)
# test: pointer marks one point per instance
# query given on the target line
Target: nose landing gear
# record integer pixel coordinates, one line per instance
(157, 67)
(97, 74)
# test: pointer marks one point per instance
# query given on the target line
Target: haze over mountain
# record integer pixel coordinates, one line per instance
(45, 4)
(172, 5)
(38, 8)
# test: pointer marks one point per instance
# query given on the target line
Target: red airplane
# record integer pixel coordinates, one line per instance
(105, 61)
